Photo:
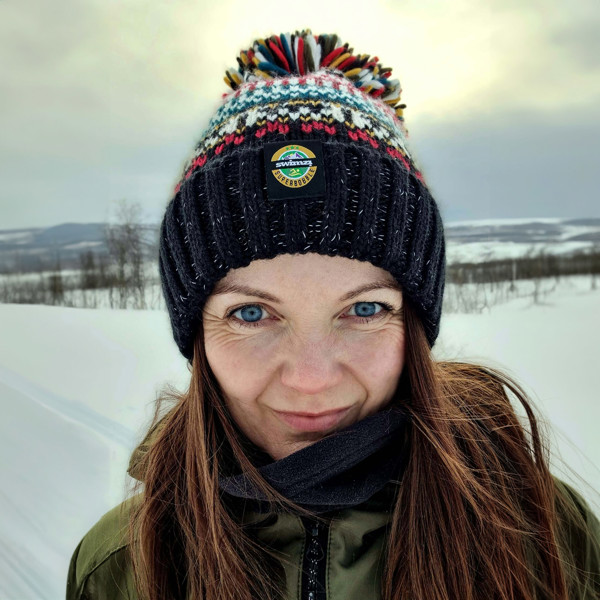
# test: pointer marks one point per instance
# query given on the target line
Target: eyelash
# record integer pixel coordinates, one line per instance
(386, 309)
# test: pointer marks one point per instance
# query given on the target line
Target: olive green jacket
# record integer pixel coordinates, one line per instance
(351, 548)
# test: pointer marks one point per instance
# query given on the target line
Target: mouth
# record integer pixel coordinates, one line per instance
(305, 421)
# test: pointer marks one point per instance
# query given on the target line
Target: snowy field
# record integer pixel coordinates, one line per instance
(78, 388)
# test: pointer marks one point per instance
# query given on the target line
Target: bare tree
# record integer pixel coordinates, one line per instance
(124, 240)
(594, 264)
(88, 274)
(56, 284)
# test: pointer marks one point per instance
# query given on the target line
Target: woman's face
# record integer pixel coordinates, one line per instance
(294, 334)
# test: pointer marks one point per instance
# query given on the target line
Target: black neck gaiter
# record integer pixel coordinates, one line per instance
(338, 471)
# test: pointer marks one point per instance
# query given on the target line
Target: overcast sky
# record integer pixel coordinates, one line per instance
(103, 100)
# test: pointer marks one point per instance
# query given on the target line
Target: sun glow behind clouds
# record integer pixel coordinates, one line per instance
(456, 57)
(108, 98)
(451, 57)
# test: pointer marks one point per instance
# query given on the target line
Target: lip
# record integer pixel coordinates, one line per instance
(303, 421)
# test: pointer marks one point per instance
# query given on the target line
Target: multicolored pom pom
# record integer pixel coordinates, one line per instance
(302, 52)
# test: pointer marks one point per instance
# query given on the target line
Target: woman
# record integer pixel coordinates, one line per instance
(320, 452)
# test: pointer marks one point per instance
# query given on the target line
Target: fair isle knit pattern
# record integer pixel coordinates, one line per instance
(321, 101)
(375, 205)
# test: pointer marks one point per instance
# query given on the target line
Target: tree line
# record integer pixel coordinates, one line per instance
(125, 275)
(119, 277)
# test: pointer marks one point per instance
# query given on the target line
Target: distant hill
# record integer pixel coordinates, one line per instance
(38, 248)
(467, 241)
(485, 240)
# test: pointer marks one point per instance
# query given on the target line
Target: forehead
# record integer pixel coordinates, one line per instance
(301, 274)
(309, 266)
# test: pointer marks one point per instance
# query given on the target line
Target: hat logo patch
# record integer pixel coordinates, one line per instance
(294, 165)
(294, 169)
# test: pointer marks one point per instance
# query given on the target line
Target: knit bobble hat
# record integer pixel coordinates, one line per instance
(306, 153)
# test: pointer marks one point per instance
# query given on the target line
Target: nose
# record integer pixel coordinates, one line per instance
(311, 367)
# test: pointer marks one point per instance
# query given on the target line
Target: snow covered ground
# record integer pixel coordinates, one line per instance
(77, 388)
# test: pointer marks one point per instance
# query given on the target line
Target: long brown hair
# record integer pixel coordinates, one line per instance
(477, 514)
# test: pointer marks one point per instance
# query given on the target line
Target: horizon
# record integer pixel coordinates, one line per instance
(454, 223)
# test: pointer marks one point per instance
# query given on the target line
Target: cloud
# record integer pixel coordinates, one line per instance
(121, 92)
(525, 163)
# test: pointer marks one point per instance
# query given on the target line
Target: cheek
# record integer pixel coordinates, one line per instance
(378, 359)
(245, 365)
(240, 364)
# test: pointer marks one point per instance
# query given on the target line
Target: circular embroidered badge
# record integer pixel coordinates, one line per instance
(294, 166)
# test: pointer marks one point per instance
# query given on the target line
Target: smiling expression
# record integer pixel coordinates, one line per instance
(293, 334)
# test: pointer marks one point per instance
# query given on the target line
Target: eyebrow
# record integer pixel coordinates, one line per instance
(223, 287)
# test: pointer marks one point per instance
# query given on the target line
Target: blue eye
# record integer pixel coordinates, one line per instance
(363, 313)
(251, 312)
(364, 309)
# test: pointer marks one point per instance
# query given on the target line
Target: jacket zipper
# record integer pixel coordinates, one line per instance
(315, 560)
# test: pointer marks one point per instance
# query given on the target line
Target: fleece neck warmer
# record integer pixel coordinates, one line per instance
(336, 472)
